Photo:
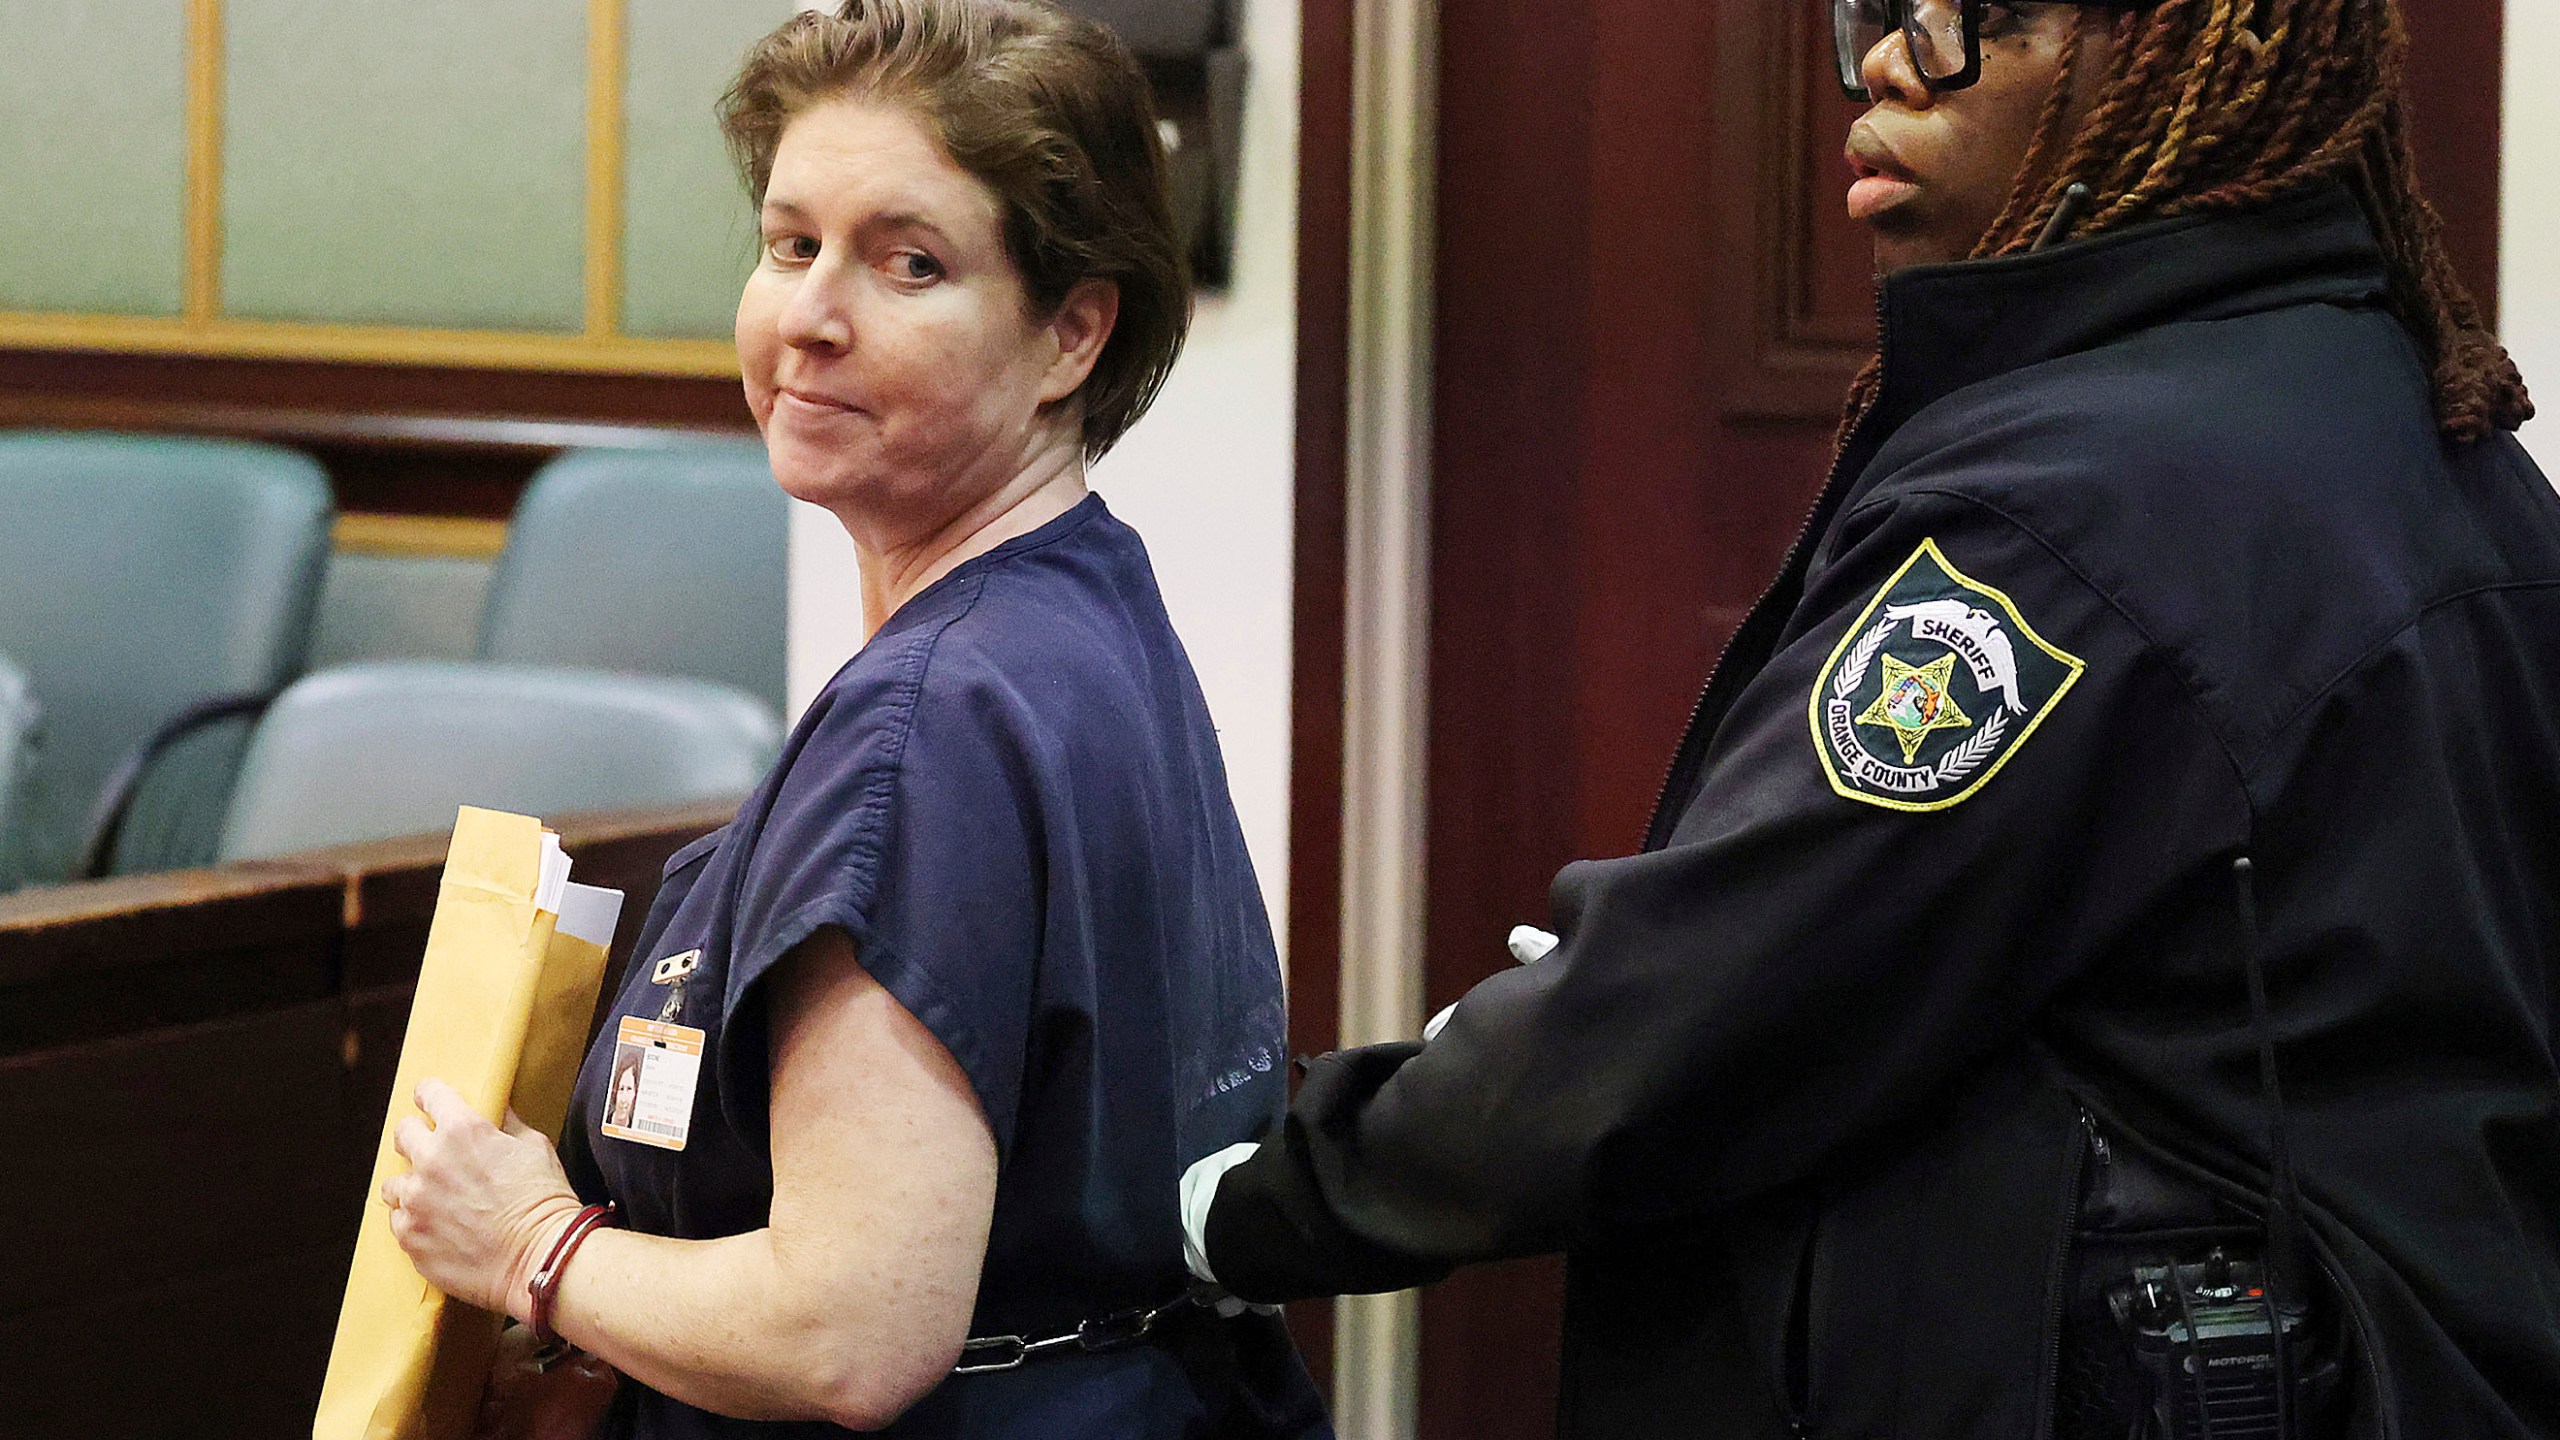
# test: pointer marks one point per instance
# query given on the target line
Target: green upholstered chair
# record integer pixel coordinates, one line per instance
(17, 748)
(142, 578)
(365, 752)
(665, 562)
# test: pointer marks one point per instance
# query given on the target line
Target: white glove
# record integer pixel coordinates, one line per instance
(1199, 1192)
(1529, 945)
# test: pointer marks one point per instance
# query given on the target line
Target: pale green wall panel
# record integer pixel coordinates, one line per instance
(398, 607)
(689, 239)
(93, 156)
(406, 162)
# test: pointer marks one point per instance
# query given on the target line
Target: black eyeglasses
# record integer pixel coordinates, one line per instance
(1943, 36)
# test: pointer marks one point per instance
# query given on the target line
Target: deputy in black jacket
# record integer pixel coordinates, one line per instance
(2198, 535)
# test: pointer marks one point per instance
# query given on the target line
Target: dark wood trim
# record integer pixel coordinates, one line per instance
(99, 964)
(1316, 640)
(395, 439)
(1792, 361)
(390, 885)
(71, 932)
(1775, 117)
(83, 964)
(149, 381)
(497, 436)
(2457, 68)
(1322, 463)
(1525, 244)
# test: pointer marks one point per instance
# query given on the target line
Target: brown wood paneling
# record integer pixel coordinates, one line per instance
(182, 1208)
(67, 932)
(2457, 52)
(1316, 636)
(1521, 246)
(1797, 294)
(82, 964)
(138, 1365)
(1640, 354)
(193, 1074)
(208, 1130)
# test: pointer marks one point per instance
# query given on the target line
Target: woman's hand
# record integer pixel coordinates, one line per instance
(479, 1205)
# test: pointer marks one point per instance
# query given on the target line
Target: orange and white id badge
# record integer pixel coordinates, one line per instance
(649, 1097)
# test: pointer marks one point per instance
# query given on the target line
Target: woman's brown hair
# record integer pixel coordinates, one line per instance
(1050, 112)
(2211, 106)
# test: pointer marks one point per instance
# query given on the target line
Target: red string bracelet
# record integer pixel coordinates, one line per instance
(544, 1287)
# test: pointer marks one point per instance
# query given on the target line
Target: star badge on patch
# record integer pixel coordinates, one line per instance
(1933, 688)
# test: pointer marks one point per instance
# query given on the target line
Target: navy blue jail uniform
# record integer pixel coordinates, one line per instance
(2150, 554)
(1012, 801)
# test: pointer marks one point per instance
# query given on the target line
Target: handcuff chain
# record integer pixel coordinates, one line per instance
(1117, 1330)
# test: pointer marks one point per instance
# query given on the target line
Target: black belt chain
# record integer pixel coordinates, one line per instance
(1116, 1331)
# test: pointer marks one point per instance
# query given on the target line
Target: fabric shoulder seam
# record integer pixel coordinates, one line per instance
(862, 864)
(858, 872)
(828, 911)
(2176, 662)
(2384, 642)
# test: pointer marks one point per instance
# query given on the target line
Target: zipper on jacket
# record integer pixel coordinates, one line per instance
(2085, 1146)
(1657, 829)
(2097, 1140)
(1795, 1363)
(1655, 833)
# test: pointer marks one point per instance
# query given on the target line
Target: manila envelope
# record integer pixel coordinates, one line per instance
(515, 957)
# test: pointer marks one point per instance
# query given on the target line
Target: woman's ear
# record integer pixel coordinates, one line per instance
(1080, 329)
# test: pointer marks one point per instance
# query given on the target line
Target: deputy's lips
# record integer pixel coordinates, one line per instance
(1873, 195)
(1882, 180)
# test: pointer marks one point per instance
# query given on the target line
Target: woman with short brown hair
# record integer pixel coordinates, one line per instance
(1037, 106)
(933, 1026)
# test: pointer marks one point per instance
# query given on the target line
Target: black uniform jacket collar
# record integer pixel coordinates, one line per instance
(1950, 326)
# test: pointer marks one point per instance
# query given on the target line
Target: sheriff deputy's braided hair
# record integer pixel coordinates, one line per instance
(2212, 106)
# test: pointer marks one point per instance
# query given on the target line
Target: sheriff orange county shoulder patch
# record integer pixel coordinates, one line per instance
(1932, 689)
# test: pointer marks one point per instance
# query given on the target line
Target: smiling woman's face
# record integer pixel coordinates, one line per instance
(1934, 171)
(889, 348)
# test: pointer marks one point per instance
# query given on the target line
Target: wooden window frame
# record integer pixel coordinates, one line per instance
(202, 329)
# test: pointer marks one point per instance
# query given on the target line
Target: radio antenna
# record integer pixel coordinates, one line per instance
(2287, 1268)
(2075, 203)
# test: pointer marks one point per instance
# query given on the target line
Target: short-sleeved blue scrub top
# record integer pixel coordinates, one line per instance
(1012, 801)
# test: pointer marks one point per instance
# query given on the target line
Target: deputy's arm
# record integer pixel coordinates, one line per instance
(1813, 954)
